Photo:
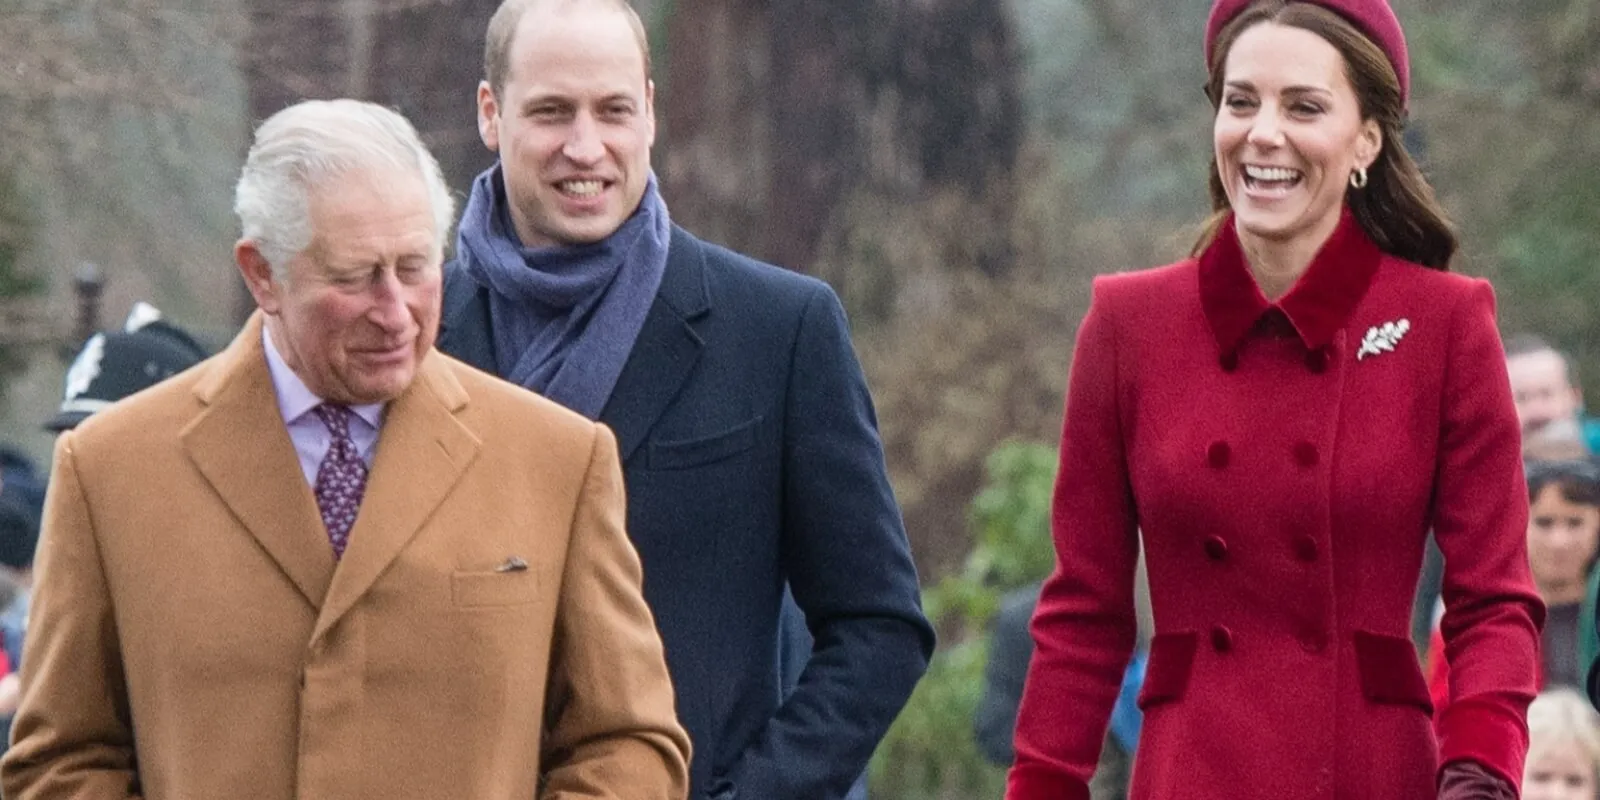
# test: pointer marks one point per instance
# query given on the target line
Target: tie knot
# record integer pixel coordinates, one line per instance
(336, 418)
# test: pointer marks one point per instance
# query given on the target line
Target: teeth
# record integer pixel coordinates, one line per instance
(582, 188)
(1270, 173)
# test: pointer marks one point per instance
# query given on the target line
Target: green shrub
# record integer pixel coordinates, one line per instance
(930, 753)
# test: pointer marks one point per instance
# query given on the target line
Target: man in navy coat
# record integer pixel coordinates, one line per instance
(753, 463)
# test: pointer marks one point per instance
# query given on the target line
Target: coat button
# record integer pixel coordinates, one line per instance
(1312, 640)
(1216, 548)
(1229, 361)
(1217, 454)
(1305, 548)
(1221, 639)
(1305, 454)
(1317, 360)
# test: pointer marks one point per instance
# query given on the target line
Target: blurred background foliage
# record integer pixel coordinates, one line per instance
(930, 753)
(958, 169)
(17, 280)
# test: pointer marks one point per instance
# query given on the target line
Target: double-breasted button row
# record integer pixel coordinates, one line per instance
(1304, 546)
(1221, 639)
(1311, 637)
(1216, 548)
(1219, 454)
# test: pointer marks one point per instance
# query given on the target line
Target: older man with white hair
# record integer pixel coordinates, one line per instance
(331, 562)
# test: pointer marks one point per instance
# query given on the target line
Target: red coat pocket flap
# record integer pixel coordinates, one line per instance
(1166, 674)
(1389, 671)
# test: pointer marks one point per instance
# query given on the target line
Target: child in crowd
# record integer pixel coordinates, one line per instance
(1563, 748)
(1563, 534)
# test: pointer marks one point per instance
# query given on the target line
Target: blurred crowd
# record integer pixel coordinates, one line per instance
(110, 366)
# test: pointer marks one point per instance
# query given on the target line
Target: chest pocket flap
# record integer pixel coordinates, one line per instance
(686, 453)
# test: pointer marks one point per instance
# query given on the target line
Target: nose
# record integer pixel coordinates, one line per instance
(1560, 539)
(1265, 130)
(388, 309)
(583, 145)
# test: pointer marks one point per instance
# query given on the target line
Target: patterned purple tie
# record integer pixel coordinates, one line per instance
(341, 478)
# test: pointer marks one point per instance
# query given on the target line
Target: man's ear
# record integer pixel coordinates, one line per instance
(488, 117)
(650, 111)
(257, 274)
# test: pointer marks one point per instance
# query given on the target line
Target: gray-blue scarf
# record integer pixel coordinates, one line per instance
(565, 318)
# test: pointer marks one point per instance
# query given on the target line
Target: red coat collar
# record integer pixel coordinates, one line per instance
(1319, 303)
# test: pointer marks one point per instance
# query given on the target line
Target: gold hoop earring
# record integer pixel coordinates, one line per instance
(1358, 179)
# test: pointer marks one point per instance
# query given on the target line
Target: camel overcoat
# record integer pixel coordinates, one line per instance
(484, 635)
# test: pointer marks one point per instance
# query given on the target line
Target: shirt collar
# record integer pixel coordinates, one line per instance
(1317, 306)
(295, 399)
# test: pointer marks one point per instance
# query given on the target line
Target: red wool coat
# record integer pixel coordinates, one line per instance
(1283, 463)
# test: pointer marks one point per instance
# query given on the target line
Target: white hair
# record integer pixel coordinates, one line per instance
(1562, 716)
(308, 143)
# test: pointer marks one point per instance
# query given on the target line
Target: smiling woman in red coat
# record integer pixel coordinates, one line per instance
(1282, 418)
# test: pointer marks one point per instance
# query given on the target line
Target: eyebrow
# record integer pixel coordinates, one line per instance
(568, 100)
(1247, 85)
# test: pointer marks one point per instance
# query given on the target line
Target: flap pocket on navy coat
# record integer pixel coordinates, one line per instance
(1389, 671)
(687, 453)
(490, 589)
(1166, 675)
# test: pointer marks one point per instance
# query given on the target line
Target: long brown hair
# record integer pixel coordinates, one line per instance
(1397, 208)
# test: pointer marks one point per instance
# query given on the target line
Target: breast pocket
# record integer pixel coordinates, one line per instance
(702, 450)
(495, 589)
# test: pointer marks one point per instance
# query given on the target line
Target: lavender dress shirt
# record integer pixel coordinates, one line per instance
(311, 438)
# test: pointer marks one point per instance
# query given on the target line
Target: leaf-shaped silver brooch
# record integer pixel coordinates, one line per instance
(1382, 338)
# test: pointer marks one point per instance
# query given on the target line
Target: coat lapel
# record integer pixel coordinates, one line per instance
(667, 348)
(240, 445)
(464, 325)
(662, 358)
(423, 448)
(1318, 305)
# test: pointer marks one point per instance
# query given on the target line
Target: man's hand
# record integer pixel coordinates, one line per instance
(10, 694)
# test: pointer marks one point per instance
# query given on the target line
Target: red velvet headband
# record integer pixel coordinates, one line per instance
(1372, 17)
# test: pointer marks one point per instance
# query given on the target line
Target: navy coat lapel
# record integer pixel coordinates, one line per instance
(667, 349)
(665, 353)
(464, 320)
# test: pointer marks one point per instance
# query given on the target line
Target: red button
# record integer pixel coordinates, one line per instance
(1305, 454)
(1216, 548)
(1313, 640)
(1305, 548)
(1317, 360)
(1221, 639)
(1229, 362)
(1217, 454)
